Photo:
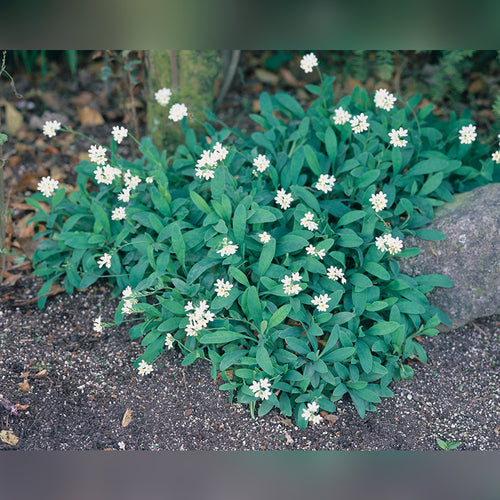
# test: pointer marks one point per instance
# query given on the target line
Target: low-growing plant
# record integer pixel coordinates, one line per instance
(275, 255)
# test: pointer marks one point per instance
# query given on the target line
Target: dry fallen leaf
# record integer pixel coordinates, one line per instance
(267, 76)
(90, 117)
(13, 119)
(331, 419)
(21, 407)
(188, 412)
(9, 437)
(127, 417)
(40, 374)
(24, 386)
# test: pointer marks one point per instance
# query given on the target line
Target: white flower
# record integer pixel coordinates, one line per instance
(119, 133)
(162, 96)
(387, 242)
(47, 186)
(283, 199)
(289, 287)
(223, 288)
(359, 123)
(98, 325)
(105, 260)
(51, 127)
(265, 237)
(496, 156)
(325, 183)
(227, 248)
(128, 306)
(308, 223)
(334, 273)
(396, 135)
(321, 302)
(127, 292)
(378, 201)
(97, 154)
(131, 181)
(341, 116)
(189, 306)
(124, 196)
(118, 213)
(106, 175)
(121, 445)
(144, 368)
(177, 112)
(199, 318)
(207, 163)
(308, 62)
(261, 163)
(309, 413)
(261, 388)
(169, 341)
(384, 99)
(311, 250)
(467, 134)
(149, 180)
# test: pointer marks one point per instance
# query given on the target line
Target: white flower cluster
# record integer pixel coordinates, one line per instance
(384, 99)
(106, 175)
(223, 288)
(310, 415)
(261, 163)
(325, 183)
(97, 325)
(396, 135)
(163, 96)
(378, 201)
(334, 273)
(341, 116)
(261, 388)
(387, 242)
(169, 341)
(105, 260)
(264, 237)
(228, 248)
(131, 182)
(97, 154)
(496, 156)
(467, 134)
(291, 284)
(199, 318)
(47, 186)
(359, 123)
(311, 250)
(177, 112)
(308, 222)
(144, 368)
(308, 62)
(129, 303)
(118, 213)
(51, 127)
(283, 199)
(208, 161)
(119, 133)
(321, 302)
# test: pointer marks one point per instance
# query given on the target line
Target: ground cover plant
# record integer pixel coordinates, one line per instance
(275, 255)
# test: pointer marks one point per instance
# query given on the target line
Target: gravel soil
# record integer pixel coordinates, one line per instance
(76, 388)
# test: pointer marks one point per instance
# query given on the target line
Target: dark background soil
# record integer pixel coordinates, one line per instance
(75, 386)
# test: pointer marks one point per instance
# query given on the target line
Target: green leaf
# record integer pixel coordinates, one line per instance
(430, 234)
(297, 345)
(364, 355)
(427, 167)
(290, 243)
(266, 256)
(312, 160)
(222, 337)
(230, 358)
(350, 217)
(200, 202)
(431, 184)
(102, 220)
(434, 280)
(342, 317)
(290, 103)
(178, 244)
(360, 281)
(307, 197)
(279, 316)
(377, 270)
(238, 275)
(340, 354)
(383, 328)
(331, 145)
(349, 241)
(254, 305)
(264, 361)
(239, 223)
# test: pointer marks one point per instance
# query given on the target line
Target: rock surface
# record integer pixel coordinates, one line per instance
(469, 256)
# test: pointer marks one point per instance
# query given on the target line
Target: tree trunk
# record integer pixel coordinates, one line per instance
(191, 75)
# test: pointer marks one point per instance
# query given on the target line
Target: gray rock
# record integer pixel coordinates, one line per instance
(469, 256)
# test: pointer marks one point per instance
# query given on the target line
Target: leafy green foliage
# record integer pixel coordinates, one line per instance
(318, 311)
